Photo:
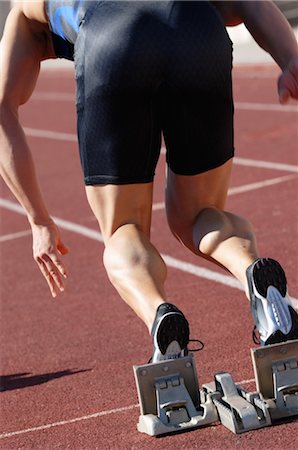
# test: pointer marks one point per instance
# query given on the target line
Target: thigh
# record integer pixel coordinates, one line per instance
(118, 205)
(187, 196)
(118, 69)
(198, 105)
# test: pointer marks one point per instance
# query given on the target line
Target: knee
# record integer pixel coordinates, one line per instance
(203, 230)
(213, 226)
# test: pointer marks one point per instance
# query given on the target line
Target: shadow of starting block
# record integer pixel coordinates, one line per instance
(169, 397)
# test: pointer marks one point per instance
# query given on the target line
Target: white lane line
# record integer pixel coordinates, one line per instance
(175, 263)
(259, 184)
(244, 188)
(259, 163)
(265, 164)
(273, 107)
(11, 236)
(202, 272)
(69, 421)
(65, 224)
(86, 417)
(55, 135)
(249, 106)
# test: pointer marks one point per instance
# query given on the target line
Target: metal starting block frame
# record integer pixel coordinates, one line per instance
(169, 397)
(276, 375)
(238, 410)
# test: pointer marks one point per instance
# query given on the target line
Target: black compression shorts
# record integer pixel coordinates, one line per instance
(144, 69)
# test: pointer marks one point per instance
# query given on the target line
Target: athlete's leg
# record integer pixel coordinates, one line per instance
(195, 208)
(133, 264)
(196, 215)
(119, 123)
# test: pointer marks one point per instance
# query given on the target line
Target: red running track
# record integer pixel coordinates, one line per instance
(66, 364)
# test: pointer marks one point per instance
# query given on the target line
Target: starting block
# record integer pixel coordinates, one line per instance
(276, 374)
(169, 397)
(238, 410)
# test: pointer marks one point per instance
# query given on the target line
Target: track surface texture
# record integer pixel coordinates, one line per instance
(66, 364)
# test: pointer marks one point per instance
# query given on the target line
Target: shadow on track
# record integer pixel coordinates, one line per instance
(26, 379)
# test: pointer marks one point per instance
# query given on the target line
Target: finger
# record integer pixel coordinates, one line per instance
(58, 264)
(55, 276)
(44, 270)
(53, 267)
(55, 263)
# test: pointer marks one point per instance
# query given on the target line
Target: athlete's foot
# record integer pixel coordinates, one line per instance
(275, 320)
(170, 332)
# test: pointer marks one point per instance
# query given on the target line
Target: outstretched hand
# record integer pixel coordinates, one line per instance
(288, 82)
(47, 248)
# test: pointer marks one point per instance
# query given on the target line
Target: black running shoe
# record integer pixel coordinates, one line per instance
(275, 320)
(170, 332)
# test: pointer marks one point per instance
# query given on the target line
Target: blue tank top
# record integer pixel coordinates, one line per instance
(64, 18)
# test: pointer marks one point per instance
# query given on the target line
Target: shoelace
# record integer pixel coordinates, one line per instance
(196, 349)
(202, 345)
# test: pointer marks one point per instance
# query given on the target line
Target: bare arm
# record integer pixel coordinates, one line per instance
(272, 32)
(24, 44)
(21, 53)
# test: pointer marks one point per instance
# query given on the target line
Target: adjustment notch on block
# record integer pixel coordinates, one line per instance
(238, 411)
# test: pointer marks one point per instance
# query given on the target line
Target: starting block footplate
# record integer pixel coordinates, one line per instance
(169, 397)
(276, 373)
